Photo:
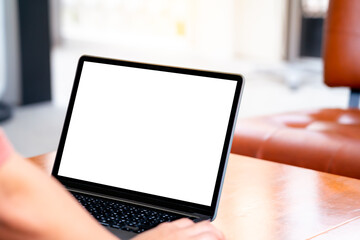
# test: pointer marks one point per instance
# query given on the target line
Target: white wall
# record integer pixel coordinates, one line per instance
(212, 30)
(9, 53)
(260, 29)
(2, 48)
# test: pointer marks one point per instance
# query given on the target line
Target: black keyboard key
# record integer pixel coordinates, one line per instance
(121, 216)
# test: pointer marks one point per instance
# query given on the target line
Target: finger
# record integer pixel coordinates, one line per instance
(183, 223)
(203, 227)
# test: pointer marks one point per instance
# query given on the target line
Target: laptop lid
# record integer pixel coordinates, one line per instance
(151, 134)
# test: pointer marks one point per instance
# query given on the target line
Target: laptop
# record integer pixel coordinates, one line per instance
(144, 144)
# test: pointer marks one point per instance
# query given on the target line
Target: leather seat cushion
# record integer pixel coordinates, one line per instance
(325, 140)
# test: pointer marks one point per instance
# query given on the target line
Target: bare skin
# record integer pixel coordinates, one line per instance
(34, 206)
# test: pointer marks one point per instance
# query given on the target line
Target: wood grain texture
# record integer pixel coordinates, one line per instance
(266, 200)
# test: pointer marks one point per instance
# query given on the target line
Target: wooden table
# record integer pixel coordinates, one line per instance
(266, 200)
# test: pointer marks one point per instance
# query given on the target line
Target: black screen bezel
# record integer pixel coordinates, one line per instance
(142, 197)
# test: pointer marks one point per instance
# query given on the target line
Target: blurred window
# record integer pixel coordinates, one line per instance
(123, 21)
(314, 8)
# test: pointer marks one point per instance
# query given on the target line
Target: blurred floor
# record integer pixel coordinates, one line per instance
(36, 129)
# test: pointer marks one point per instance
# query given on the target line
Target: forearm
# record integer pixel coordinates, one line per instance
(35, 206)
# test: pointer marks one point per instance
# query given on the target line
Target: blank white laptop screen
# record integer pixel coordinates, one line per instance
(149, 131)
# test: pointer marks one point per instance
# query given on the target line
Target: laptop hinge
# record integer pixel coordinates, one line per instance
(198, 217)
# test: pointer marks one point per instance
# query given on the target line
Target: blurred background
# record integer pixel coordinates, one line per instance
(275, 44)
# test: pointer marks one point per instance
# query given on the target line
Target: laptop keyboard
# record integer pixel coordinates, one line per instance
(123, 216)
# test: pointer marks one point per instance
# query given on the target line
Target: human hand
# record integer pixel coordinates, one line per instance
(182, 229)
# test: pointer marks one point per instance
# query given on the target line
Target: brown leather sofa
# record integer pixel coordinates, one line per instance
(327, 139)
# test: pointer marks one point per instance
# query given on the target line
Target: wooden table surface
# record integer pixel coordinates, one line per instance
(266, 200)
